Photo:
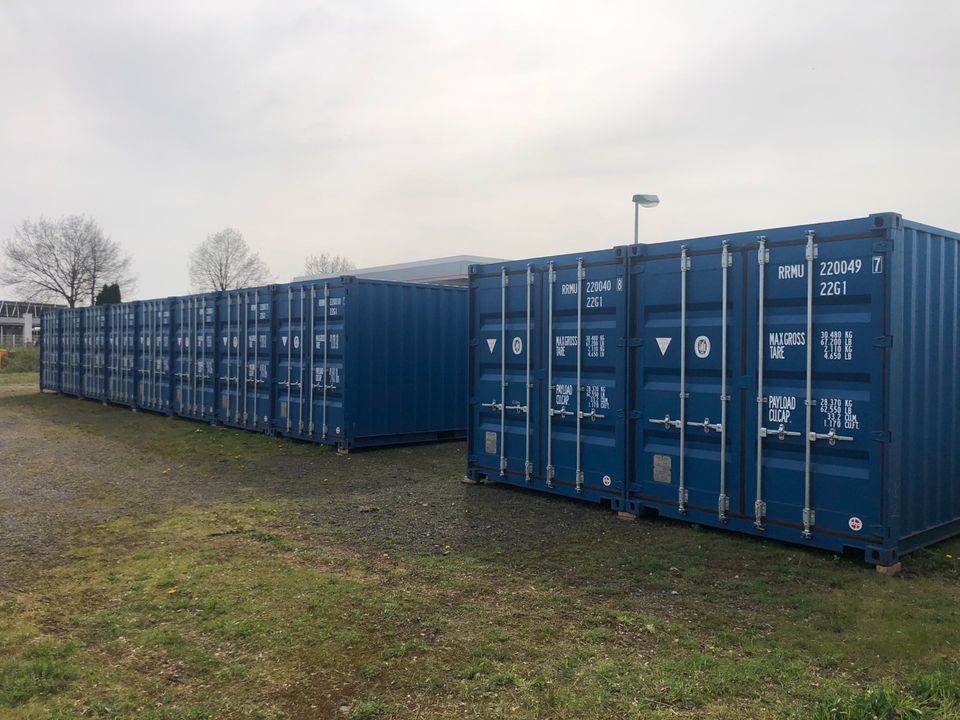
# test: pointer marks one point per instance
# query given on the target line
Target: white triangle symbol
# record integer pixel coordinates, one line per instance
(284, 340)
(663, 343)
(491, 343)
(224, 342)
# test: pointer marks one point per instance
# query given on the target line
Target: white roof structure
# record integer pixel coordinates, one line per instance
(451, 270)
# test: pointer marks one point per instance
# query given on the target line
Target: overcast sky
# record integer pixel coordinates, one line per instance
(392, 131)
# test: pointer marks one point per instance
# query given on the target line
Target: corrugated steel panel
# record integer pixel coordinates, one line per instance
(50, 350)
(194, 355)
(153, 360)
(365, 362)
(924, 409)
(247, 317)
(122, 343)
(95, 352)
(798, 383)
(71, 375)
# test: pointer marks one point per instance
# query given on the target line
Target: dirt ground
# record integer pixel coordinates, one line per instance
(63, 465)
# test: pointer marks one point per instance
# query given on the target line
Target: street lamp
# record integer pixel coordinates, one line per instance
(647, 201)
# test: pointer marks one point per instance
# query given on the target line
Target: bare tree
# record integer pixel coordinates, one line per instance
(63, 258)
(326, 264)
(224, 261)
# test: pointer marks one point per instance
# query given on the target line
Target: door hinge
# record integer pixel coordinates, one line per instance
(883, 341)
(881, 436)
(635, 342)
(635, 415)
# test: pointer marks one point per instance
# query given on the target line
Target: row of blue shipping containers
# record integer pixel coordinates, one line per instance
(797, 383)
(347, 362)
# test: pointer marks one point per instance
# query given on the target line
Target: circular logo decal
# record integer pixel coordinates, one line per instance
(855, 523)
(296, 342)
(517, 346)
(701, 346)
(607, 480)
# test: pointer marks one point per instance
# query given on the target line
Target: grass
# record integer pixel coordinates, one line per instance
(195, 608)
(23, 358)
(248, 609)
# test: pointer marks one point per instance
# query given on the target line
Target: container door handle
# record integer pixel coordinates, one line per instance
(666, 422)
(706, 425)
(831, 437)
(780, 432)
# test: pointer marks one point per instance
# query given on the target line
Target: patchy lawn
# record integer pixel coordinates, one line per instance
(157, 568)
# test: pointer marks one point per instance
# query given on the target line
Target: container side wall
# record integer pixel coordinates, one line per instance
(925, 378)
(405, 362)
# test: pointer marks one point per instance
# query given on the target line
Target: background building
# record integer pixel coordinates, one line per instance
(20, 321)
(438, 271)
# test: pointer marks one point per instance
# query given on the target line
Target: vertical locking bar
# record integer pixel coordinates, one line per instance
(503, 369)
(682, 492)
(551, 277)
(723, 502)
(256, 357)
(808, 517)
(246, 350)
(153, 353)
(579, 469)
(326, 342)
(196, 354)
(313, 305)
(203, 357)
(527, 465)
(241, 316)
(289, 351)
(300, 384)
(229, 342)
(759, 507)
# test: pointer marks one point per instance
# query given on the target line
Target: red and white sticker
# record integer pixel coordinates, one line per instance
(855, 523)
(607, 480)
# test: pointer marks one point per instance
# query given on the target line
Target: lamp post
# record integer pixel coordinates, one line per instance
(639, 201)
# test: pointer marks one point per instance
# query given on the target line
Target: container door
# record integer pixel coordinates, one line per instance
(246, 347)
(815, 333)
(126, 355)
(506, 402)
(231, 349)
(155, 355)
(323, 369)
(204, 329)
(72, 352)
(182, 355)
(290, 413)
(685, 359)
(98, 333)
(50, 350)
(585, 370)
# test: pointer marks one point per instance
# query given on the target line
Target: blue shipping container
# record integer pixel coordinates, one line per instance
(797, 383)
(342, 361)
